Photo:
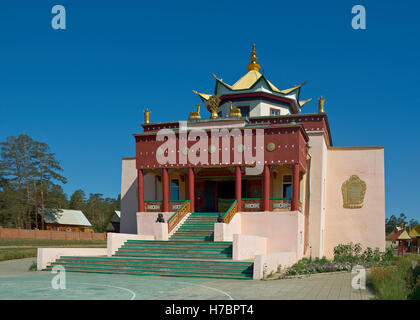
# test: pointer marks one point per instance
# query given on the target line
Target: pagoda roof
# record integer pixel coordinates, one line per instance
(404, 236)
(393, 236)
(251, 80)
(415, 232)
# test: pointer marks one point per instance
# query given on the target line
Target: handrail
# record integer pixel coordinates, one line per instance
(178, 215)
(231, 212)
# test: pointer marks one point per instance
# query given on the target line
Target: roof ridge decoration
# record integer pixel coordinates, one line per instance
(252, 79)
(253, 60)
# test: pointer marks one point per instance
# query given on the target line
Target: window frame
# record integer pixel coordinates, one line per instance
(171, 189)
(283, 183)
(276, 110)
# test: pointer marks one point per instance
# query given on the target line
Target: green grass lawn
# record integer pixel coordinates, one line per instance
(27, 248)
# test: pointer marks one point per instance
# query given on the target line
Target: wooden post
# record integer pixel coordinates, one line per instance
(165, 191)
(238, 187)
(191, 194)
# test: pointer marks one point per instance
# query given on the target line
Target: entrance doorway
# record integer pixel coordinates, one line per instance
(208, 193)
(226, 190)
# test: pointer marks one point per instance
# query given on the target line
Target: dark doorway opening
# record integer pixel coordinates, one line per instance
(226, 190)
(210, 204)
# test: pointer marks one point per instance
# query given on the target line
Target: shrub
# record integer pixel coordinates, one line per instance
(346, 256)
(33, 266)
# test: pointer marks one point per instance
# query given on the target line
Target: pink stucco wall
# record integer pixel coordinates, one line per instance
(283, 230)
(367, 224)
(317, 205)
(146, 221)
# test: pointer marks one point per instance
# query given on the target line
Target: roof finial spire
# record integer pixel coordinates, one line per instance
(253, 65)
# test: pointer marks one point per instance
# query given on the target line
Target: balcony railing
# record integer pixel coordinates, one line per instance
(276, 204)
(252, 204)
(157, 205)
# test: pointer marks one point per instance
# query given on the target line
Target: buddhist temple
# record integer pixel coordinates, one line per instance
(260, 173)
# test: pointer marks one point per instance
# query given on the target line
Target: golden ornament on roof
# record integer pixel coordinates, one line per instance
(234, 112)
(321, 102)
(195, 114)
(146, 116)
(213, 106)
(253, 65)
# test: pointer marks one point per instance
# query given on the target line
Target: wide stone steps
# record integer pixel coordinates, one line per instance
(190, 252)
(167, 267)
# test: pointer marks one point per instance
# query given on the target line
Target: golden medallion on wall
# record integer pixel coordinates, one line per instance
(271, 146)
(353, 191)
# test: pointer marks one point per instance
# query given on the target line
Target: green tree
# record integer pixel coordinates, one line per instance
(413, 223)
(28, 172)
(55, 197)
(47, 170)
(95, 211)
(390, 224)
(402, 220)
(78, 200)
(16, 166)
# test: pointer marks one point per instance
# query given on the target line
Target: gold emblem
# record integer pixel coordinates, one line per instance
(271, 146)
(212, 149)
(213, 105)
(234, 112)
(146, 116)
(321, 102)
(195, 114)
(353, 191)
(185, 151)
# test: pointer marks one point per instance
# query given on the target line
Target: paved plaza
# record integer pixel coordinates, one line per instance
(16, 282)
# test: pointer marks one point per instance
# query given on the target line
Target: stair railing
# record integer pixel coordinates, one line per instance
(230, 212)
(179, 215)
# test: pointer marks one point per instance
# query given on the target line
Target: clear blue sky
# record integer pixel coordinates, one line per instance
(82, 90)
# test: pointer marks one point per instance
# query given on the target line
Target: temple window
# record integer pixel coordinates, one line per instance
(174, 189)
(287, 186)
(274, 112)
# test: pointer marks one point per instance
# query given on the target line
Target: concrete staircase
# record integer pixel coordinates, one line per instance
(198, 227)
(190, 252)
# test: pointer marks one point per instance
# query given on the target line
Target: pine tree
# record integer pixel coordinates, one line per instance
(48, 170)
(28, 170)
(14, 162)
(78, 200)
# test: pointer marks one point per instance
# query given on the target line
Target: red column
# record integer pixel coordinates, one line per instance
(266, 188)
(140, 183)
(295, 188)
(165, 191)
(191, 191)
(238, 187)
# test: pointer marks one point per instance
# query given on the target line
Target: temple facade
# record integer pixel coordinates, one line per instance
(249, 153)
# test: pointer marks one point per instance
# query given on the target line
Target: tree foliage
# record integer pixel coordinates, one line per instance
(393, 223)
(30, 181)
